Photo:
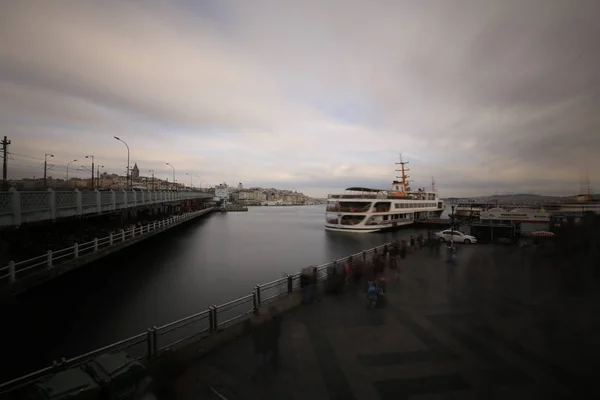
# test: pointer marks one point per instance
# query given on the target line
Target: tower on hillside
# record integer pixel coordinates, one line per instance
(135, 172)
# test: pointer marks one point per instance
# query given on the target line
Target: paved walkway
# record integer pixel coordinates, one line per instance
(504, 324)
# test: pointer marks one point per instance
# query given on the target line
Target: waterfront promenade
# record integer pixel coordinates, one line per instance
(506, 322)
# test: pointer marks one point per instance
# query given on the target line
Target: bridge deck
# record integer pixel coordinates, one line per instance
(489, 330)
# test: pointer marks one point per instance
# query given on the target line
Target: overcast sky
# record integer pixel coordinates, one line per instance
(487, 96)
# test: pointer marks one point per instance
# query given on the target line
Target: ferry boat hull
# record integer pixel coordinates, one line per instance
(366, 229)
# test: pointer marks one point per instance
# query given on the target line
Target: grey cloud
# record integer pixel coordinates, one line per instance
(486, 94)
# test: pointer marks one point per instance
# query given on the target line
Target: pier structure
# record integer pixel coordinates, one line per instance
(18, 208)
(19, 276)
(445, 330)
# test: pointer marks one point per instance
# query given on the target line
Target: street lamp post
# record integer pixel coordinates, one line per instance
(173, 173)
(98, 175)
(127, 178)
(191, 182)
(92, 157)
(46, 168)
(152, 181)
(69, 163)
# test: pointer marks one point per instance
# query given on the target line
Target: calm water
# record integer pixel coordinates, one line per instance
(209, 261)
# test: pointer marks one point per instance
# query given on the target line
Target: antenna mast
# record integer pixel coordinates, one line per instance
(403, 176)
(432, 184)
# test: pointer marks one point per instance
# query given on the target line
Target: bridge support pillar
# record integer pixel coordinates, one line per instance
(122, 235)
(49, 259)
(110, 239)
(76, 250)
(95, 245)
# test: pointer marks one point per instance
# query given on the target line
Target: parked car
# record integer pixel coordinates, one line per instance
(456, 236)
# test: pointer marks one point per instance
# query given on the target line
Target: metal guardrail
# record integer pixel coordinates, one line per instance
(17, 207)
(148, 345)
(22, 269)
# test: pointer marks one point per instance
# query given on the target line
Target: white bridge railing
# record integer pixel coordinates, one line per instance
(17, 207)
(15, 271)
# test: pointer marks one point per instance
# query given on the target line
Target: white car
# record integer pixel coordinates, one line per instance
(456, 236)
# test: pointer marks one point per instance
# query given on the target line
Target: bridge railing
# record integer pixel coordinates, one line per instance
(15, 271)
(17, 207)
(156, 340)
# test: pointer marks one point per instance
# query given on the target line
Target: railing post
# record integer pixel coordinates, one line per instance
(133, 232)
(364, 255)
(211, 319)
(15, 203)
(154, 226)
(52, 203)
(254, 302)
(215, 319)
(258, 299)
(75, 250)
(98, 201)
(95, 245)
(12, 275)
(315, 274)
(110, 239)
(154, 340)
(290, 283)
(122, 235)
(113, 200)
(149, 345)
(49, 258)
(78, 202)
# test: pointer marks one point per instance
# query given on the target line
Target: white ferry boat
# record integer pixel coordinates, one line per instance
(525, 220)
(471, 209)
(367, 210)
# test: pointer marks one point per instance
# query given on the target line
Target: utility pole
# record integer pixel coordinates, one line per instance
(92, 157)
(97, 175)
(46, 168)
(5, 144)
(152, 181)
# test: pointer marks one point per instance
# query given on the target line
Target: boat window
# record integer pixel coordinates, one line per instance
(352, 219)
(331, 218)
(349, 206)
(332, 206)
(382, 206)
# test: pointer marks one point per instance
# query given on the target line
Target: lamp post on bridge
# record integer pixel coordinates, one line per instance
(68, 164)
(127, 174)
(98, 175)
(46, 168)
(92, 158)
(152, 181)
(170, 165)
(191, 182)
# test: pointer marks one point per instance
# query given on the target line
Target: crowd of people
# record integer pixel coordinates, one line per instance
(353, 274)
